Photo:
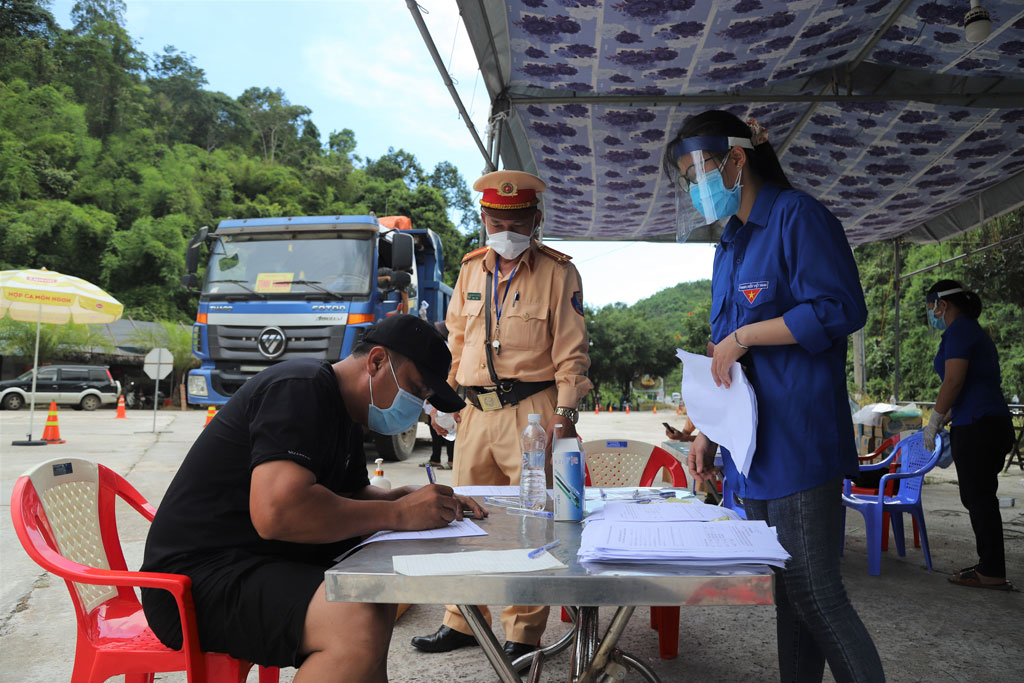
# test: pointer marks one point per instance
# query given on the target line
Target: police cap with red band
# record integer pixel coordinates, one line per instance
(509, 190)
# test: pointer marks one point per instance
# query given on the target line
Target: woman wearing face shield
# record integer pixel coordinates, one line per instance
(981, 434)
(785, 296)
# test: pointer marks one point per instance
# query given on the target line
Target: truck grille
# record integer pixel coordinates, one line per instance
(236, 357)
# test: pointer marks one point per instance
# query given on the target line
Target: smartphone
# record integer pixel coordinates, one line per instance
(667, 426)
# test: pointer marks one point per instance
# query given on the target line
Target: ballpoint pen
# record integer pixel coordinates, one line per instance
(534, 554)
(430, 475)
(529, 513)
(503, 502)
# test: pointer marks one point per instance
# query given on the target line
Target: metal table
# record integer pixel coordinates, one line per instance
(368, 575)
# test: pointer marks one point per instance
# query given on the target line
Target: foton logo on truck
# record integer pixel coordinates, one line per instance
(276, 289)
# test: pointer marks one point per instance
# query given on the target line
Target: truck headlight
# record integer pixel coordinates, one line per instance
(197, 385)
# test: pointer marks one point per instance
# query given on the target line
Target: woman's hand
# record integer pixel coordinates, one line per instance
(700, 461)
(726, 353)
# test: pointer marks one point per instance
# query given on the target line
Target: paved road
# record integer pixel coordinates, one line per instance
(926, 629)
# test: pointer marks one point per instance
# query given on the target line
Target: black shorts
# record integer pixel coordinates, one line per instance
(250, 607)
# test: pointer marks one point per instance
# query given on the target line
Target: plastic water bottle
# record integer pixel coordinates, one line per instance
(532, 489)
(447, 422)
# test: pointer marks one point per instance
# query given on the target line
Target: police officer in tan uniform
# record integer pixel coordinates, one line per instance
(519, 346)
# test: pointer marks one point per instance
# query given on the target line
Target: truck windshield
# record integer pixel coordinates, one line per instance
(270, 266)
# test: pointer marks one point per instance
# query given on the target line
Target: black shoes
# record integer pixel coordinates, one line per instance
(445, 640)
(514, 650)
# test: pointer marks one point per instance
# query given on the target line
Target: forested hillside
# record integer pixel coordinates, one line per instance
(110, 159)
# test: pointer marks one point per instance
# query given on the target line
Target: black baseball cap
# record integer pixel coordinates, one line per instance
(418, 341)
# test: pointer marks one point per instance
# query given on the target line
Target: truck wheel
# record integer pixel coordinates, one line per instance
(397, 447)
(89, 402)
(13, 401)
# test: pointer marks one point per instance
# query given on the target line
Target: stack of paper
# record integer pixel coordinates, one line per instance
(623, 538)
(686, 511)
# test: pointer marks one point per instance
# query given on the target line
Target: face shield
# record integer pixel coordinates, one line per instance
(696, 174)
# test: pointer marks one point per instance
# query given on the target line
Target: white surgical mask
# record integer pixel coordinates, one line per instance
(508, 244)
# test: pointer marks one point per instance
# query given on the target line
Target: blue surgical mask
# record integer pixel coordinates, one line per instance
(400, 416)
(937, 323)
(712, 199)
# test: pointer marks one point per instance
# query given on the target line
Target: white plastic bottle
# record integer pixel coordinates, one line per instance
(532, 488)
(378, 479)
(447, 421)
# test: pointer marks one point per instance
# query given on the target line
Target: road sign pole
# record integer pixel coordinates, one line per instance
(156, 398)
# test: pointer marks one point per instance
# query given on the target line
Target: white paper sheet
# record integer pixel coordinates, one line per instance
(475, 562)
(458, 528)
(727, 416)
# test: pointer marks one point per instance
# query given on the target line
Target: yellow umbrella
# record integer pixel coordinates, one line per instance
(48, 296)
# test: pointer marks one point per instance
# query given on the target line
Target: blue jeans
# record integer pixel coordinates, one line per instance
(815, 621)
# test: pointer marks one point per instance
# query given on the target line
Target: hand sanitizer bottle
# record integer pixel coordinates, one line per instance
(378, 479)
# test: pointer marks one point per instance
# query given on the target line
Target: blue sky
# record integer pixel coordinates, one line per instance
(361, 64)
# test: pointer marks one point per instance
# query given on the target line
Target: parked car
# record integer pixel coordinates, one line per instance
(86, 387)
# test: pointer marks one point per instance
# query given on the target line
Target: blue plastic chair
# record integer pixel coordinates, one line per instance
(914, 461)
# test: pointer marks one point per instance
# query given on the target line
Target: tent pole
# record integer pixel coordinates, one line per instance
(446, 77)
(897, 266)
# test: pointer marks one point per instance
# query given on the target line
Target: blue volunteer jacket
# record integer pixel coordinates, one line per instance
(791, 259)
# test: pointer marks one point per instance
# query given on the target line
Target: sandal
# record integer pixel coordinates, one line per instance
(970, 577)
(436, 465)
(447, 465)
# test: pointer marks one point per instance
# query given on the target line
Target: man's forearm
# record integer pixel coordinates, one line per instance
(321, 516)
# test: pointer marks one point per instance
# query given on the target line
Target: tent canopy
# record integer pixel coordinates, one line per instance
(879, 108)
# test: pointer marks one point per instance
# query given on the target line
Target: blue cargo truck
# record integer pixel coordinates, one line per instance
(304, 287)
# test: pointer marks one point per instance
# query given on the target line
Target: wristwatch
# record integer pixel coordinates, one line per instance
(571, 413)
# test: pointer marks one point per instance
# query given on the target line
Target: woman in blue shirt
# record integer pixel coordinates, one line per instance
(982, 434)
(785, 295)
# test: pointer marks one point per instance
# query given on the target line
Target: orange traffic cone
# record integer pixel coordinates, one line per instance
(627, 409)
(597, 409)
(120, 409)
(51, 433)
(210, 412)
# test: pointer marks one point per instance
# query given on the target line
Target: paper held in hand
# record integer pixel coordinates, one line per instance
(728, 416)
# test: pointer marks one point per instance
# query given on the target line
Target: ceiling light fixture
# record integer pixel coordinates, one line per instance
(977, 23)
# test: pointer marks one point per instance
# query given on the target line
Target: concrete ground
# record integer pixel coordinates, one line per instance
(925, 628)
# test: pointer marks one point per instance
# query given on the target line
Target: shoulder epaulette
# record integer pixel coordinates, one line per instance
(473, 254)
(557, 255)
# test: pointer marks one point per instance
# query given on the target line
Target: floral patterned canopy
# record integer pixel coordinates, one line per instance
(879, 108)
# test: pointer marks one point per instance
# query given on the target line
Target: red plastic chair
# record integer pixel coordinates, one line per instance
(636, 463)
(63, 512)
(894, 467)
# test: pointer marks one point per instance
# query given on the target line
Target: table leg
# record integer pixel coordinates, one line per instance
(489, 644)
(586, 641)
(604, 651)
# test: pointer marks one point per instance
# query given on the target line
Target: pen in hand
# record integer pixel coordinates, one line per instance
(430, 475)
(534, 554)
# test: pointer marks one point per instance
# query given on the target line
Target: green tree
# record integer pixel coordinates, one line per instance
(273, 117)
(176, 338)
(27, 34)
(625, 346)
(102, 65)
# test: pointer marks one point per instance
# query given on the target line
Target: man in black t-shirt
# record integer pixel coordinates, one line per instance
(275, 488)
